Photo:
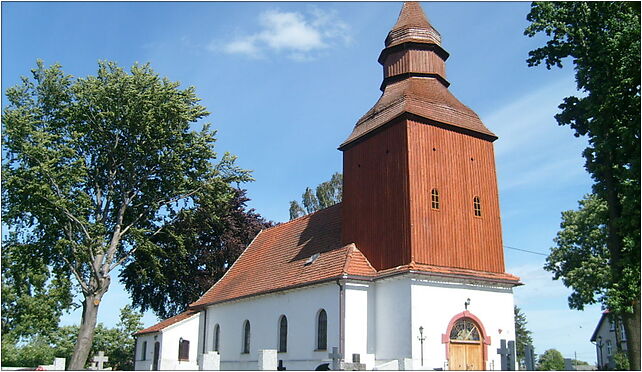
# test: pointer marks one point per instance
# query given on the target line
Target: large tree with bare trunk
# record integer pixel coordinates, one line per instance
(95, 167)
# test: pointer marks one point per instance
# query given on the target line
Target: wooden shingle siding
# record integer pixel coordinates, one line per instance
(375, 197)
(453, 236)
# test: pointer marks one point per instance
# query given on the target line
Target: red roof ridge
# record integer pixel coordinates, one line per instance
(167, 322)
(300, 218)
(351, 247)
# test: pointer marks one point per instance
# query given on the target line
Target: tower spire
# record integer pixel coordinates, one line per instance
(412, 25)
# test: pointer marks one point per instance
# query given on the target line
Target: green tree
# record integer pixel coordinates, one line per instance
(603, 41)
(551, 360)
(192, 254)
(95, 167)
(326, 194)
(522, 335)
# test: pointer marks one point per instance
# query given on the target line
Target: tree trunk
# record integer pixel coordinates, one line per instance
(87, 328)
(632, 329)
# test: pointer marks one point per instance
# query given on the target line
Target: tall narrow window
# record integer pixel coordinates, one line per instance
(283, 334)
(434, 196)
(322, 330)
(217, 331)
(246, 337)
(477, 206)
(183, 350)
(143, 355)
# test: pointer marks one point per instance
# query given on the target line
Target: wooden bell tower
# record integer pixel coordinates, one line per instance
(419, 170)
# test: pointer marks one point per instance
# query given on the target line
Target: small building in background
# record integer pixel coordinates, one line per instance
(609, 338)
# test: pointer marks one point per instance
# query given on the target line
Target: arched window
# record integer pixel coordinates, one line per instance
(283, 334)
(322, 330)
(183, 350)
(477, 206)
(464, 330)
(217, 331)
(246, 337)
(434, 197)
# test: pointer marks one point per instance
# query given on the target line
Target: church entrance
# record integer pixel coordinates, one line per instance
(465, 349)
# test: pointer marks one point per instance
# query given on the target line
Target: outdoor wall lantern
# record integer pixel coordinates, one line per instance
(466, 303)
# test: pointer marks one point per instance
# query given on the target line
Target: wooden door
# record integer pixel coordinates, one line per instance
(465, 357)
(156, 356)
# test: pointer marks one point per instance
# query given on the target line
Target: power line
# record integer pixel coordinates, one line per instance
(525, 250)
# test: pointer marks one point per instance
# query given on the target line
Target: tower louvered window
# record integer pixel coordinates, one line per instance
(477, 206)
(434, 197)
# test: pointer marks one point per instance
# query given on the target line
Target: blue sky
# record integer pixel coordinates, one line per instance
(286, 82)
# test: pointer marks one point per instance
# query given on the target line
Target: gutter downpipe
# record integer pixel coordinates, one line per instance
(342, 313)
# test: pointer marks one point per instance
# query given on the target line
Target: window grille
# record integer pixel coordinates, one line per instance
(464, 330)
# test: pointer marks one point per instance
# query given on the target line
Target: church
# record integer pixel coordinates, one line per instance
(407, 272)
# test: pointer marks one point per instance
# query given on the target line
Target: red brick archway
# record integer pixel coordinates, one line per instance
(445, 338)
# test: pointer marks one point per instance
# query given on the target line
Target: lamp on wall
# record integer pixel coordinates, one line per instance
(466, 304)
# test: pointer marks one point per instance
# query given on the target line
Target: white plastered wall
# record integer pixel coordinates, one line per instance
(392, 319)
(300, 306)
(144, 362)
(186, 329)
(360, 322)
(435, 303)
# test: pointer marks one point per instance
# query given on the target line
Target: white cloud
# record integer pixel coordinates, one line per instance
(292, 33)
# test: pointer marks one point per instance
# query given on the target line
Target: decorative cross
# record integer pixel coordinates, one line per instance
(507, 355)
(336, 358)
(100, 359)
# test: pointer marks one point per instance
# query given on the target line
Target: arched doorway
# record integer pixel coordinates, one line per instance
(465, 346)
(466, 343)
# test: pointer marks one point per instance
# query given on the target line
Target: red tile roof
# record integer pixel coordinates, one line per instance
(277, 259)
(167, 322)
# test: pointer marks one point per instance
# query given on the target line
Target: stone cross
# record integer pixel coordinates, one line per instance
(336, 359)
(281, 367)
(100, 359)
(507, 355)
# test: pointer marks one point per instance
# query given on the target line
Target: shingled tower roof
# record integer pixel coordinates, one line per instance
(414, 81)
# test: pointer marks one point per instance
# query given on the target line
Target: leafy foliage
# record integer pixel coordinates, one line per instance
(192, 253)
(551, 360)
(117, 343)
(603, 41)
(522, 335)
(327, 194)
(580, 258)
(94, 168)
(621, 361)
